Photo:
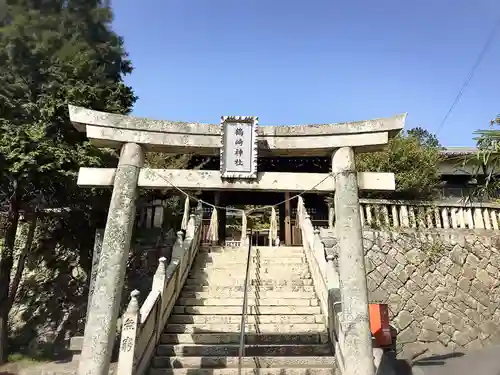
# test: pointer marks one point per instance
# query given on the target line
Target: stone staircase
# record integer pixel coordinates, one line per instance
(285, 330)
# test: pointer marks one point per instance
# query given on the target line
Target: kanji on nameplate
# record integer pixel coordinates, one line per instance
(238, 147)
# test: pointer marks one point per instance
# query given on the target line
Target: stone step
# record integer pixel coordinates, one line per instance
(250, 301)
(245, 371)
(252, 319)
(252, 310)
(250, 338)
(254, 254)
(272, 269)
(231, 328)
(232, 350)
(248, 362)
(228, 293)
(227, 281)
(224, 261)
(256, 274)
(252, 288)
(240, 275)
(229, 262)
(282, 250)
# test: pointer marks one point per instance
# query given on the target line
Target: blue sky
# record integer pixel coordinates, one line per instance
(316, 61)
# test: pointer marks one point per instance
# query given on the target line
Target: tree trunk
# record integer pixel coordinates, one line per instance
(6, 263)
(22, 259)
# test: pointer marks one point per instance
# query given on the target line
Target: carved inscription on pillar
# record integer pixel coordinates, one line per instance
(238, 153)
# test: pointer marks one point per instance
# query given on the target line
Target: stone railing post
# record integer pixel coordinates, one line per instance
(470, 219)
(128, 339)
(444, 217)
(332, 261)
(188, 240)
(244, 236)
(494, 219)
(357, 348)
(385, 215)
(395, 218)
(178, 255)
(486, 218)
(100, 328)
(331, 213)
(159, 276)
(319, 252)
(369, 218)
(437, 217)
(159, 281)
(404, 217)
(308, 230)
(454, 217)
(177, 249)
(478, 222)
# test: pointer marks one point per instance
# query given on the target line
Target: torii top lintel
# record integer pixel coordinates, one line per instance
(112, 130)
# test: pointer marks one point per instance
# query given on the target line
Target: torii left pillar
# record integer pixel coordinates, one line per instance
(100, 328)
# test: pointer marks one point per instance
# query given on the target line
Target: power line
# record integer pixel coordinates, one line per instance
(479, 59)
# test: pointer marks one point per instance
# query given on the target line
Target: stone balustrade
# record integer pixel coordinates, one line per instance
(380, 213)
(142, 325)
(320, 246)
(324, 275)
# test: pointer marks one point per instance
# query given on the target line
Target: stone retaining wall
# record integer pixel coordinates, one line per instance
(443, 288)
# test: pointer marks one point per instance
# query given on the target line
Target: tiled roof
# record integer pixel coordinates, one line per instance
(458, 151)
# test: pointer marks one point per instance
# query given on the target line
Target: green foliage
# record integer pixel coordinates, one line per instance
(54, 53)
(425, 138)
(161, 161)
(257, 219)
(434, 250)
(488, 160)
(413, 158)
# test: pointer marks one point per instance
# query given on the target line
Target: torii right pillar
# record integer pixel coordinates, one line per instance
(357, 349)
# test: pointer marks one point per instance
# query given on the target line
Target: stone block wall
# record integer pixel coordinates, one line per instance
(442, 287)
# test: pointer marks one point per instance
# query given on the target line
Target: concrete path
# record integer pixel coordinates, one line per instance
(47, 368)
(481, 362)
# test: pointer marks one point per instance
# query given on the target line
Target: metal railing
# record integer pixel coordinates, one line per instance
(245, 304)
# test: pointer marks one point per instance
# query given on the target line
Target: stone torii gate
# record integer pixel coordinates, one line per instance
(134, 136)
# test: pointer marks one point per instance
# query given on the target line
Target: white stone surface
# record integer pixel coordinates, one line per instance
(211, 180)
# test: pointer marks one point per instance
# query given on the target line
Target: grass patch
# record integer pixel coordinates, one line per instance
(19, 357)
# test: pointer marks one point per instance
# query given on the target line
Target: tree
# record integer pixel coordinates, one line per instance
(487, 160)
(413, 158)
(425, 138)
(52, 53)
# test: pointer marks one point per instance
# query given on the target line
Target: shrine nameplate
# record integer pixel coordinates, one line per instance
(238, 153)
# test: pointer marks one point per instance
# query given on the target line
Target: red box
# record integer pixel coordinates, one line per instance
(379, 323)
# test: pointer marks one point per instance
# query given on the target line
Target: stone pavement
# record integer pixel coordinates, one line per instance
(46, 368)
(480, 362)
